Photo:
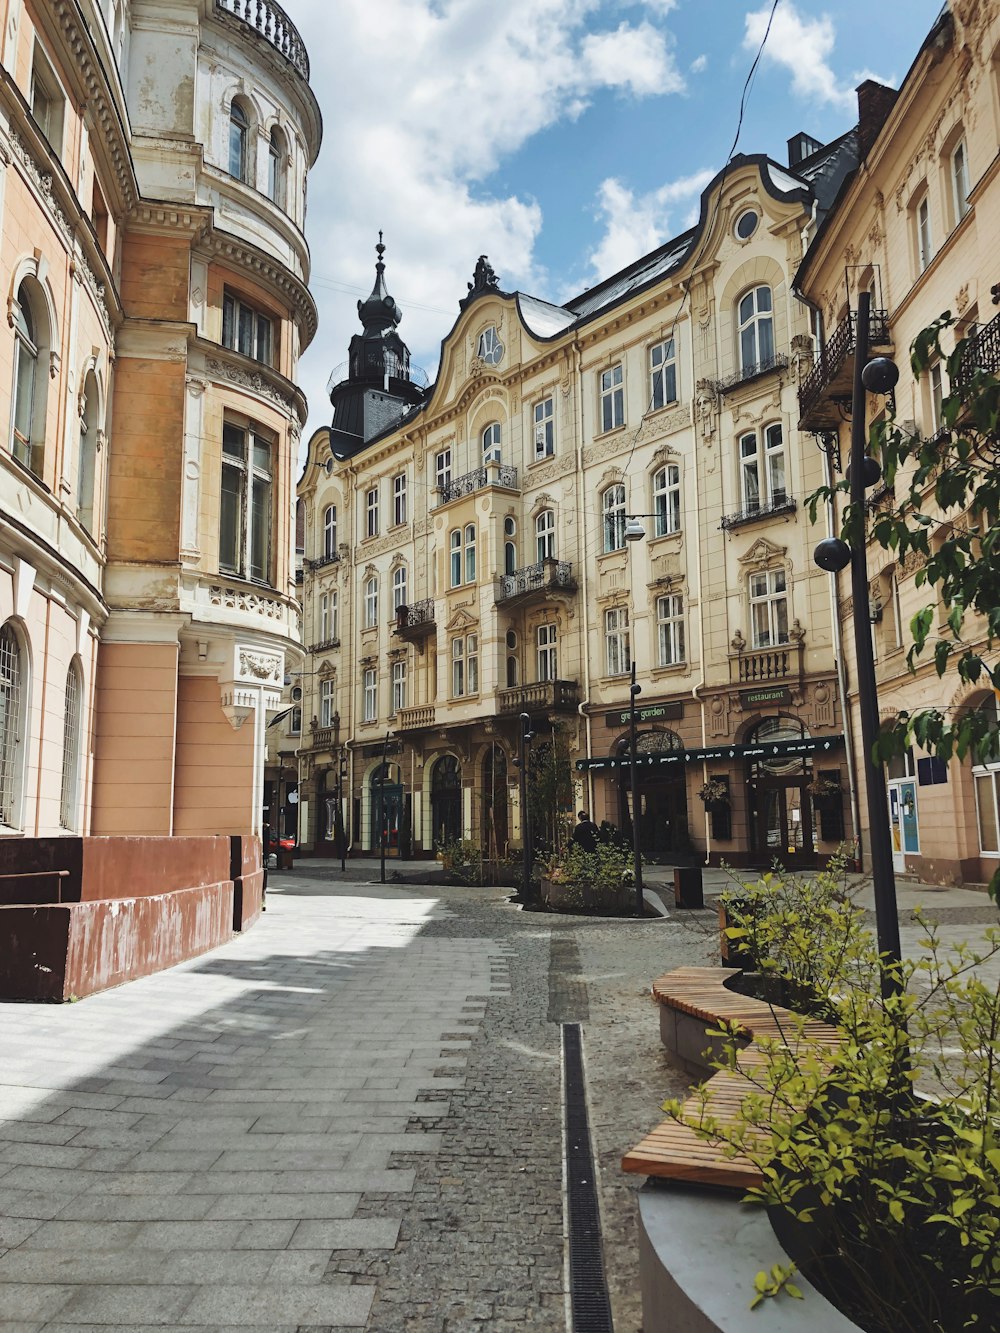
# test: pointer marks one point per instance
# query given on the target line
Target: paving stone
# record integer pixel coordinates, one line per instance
(370, 1233)
(265, 1306)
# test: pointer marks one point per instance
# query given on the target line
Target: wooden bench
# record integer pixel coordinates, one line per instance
(675, 1151)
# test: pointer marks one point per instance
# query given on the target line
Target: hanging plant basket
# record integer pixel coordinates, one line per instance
(715, 794)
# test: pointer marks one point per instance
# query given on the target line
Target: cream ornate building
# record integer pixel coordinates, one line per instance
(467, 561)
(153, 159)
(918, 224)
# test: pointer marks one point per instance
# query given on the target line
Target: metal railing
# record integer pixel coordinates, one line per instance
(786, 505)
(273, 24)
(833, 354)
(331, 559)
(981, 353)
(776, 362)
(541, 577)
(490, 474)
(324, 645)
(409, 718)
(419, 614)
(543, 694)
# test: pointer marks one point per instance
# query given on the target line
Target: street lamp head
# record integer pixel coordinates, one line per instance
(871, 472)
(634, 530)
(832, 554)
(880, 375)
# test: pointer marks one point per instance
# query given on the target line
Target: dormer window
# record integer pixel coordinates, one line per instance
(490, 349)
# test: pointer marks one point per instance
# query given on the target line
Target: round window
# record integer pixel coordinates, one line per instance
(511, 639)
(746, 224)
(296, 693)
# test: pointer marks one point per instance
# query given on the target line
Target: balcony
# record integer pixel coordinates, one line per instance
(271, 22)
(331, 559)
(490, 474)
(982, 353)
(545, 696)
(754, 512)
(547, 576)
(416, 622)
(325, 646)
(832, 376)
(410, 719)
(325, 738)
(754, 372)
(763, 666)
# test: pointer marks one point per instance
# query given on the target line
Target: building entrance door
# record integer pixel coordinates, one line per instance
(387, 811)
(446, 801)
(782, 821)
(903, 822)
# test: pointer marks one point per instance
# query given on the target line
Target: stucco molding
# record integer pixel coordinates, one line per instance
(259, 382)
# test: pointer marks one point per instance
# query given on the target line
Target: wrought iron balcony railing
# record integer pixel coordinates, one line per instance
(490, 474)
(326, 559)
(273, 24)
(324, 645)
(545, 576)
(416, 620)
(784, 505)
(830, 377)
(981, 353)
(542, 696)
(747, 373)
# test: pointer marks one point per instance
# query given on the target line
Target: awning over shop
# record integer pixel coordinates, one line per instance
(721, 753)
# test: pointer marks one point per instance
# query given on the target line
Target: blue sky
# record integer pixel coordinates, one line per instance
(561, 137)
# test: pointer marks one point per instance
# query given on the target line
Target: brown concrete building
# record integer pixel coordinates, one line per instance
(917, 224)
(153, 160)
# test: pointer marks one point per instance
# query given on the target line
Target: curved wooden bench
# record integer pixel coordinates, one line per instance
(675, 1151)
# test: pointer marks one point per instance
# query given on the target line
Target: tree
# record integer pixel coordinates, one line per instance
(947, 517)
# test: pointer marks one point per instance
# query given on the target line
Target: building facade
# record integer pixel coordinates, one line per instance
(153, 160)
(918, 225)
(469, 560)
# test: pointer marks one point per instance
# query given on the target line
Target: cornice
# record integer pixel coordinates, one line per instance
(228, 367)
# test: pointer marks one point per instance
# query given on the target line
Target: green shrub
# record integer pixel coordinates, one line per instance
(601, 880)
(464, 860)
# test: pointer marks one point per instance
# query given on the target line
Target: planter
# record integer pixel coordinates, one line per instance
(572, 897)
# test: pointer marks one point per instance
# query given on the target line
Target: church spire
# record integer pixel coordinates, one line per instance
(379, 313)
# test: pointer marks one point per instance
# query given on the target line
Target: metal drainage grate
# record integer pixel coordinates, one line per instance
(589, 1301)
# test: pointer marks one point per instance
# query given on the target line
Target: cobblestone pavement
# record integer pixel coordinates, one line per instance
(348, 1118)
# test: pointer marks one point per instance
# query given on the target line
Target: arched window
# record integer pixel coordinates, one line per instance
(239, 137)
(513, 670)
(455, 548)
(399, 588)
(371, 602)
(276, 167)
(27, 430)
(509, 545)
(491, 443)
(756, 329)
(470, 553)
(545, 535)
(69, 797)
(12, 710)
(667, 500)
(613, 507)
(329, 532)
(87, 464)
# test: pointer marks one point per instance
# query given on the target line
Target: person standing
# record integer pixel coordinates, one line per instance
(586, 833)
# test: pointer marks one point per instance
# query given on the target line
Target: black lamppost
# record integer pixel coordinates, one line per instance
(381, 803)
(524, 741)
(633, 691)
(339, 832)
(877, 376)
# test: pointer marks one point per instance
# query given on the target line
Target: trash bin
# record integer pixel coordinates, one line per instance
(687, 887)
(285, 855)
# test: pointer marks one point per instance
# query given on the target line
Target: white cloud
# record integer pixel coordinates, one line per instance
(803, 46)
(422, 100)
(635, 225)
(699, 64)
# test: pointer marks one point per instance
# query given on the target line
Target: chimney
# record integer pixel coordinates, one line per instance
(875, 101)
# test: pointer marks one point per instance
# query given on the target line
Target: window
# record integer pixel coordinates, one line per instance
(276, 168)
(326, 708)
(547, 659)
(324, 617)
(86, 472)
(399, 588)
(455, 546)
(545, 444)
(489, 348)
(960, 181)
(25, 423)
(239, 135)
(334, 615)
(465, 665)
(462, 546)
(370, 706)
(295, 721)
(509, 545)
(756, 330)
(11, 725)
(246, 330)
(399, 499)
(442, 468)
(936, 379)
(329, 532)
(616, 638)
(662, 374)
(491, 443)
(371, 603)
(46, 100)
(513, 669)
(670, 629)
(371, 507)
(667, 500)
(612, 398)
(245, 511)
(762, 469)
(986, 777)
(398, 686)
(923, 225)
(769, 608)
(71, 750)
(545, 535)
(613, 506)
(470, 553)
